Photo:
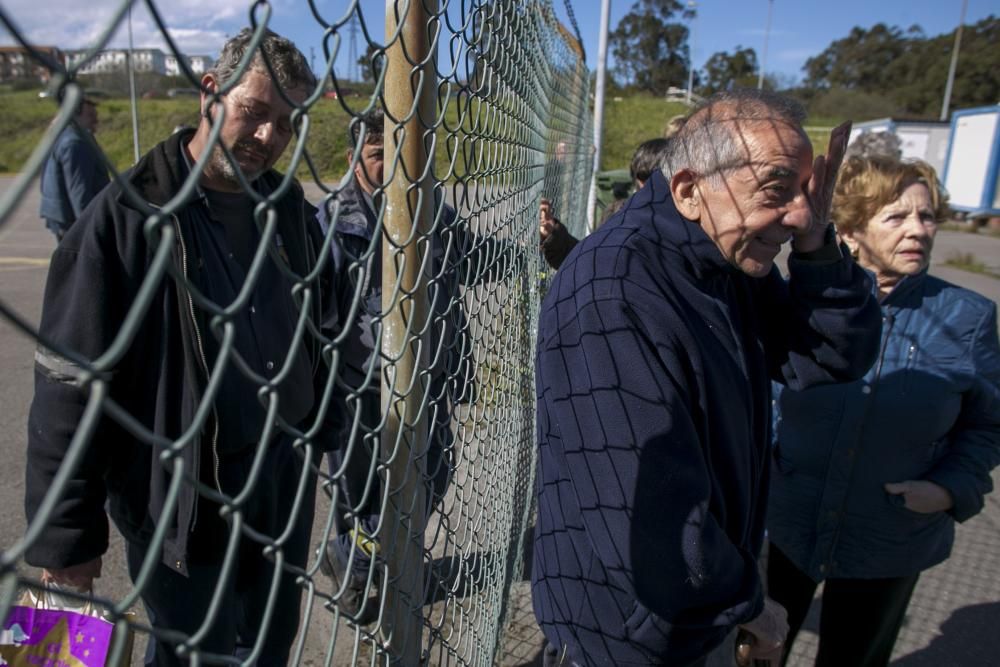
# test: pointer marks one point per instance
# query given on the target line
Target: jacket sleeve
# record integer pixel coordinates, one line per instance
(84, 304)
(332, 291)
(975, 440)
(821, 326)
(83, 172)
(620, 401)
(558, 245)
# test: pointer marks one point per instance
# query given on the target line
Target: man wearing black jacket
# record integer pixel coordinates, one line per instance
(174, 377)
(657, 344)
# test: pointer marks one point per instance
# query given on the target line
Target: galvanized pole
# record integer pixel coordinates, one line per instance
(946, 103)
(692, 5)
(131, 91)
(602, 70)
(409, 94)
(767, 37)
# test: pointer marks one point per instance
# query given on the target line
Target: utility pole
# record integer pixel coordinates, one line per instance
(602, 68)
(692, 5)
(954, 63)
(353, 67)
(767, 37)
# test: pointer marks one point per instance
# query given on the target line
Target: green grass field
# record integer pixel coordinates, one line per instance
(629, 121)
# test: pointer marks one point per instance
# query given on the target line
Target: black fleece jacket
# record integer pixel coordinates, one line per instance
(120, 371)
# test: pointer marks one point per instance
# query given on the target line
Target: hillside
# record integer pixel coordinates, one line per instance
(629, 121)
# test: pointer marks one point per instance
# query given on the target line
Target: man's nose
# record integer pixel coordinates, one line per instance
(265, 132)
(797, 214)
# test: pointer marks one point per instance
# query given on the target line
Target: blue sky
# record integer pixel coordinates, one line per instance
(799, 29)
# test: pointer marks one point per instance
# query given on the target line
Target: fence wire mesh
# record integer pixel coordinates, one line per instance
(400, 530)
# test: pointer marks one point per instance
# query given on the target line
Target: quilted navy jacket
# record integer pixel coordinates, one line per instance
(929, 409)
(654, 424)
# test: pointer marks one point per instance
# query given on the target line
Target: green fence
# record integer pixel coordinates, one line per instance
(486, 112)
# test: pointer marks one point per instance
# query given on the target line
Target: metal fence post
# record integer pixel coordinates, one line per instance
(410, 89)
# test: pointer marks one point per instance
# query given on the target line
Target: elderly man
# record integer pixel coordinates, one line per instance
(657, 344)
(197, 382)
(74, 172)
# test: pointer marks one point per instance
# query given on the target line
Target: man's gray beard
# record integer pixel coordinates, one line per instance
(225, 170)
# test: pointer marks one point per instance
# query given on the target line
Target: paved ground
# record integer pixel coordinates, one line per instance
(954, 618)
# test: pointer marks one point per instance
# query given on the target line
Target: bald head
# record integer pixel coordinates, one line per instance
(715, 135)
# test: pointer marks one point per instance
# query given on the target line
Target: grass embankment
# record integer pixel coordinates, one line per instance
(628, 122)
(967, 261)
(25, 117)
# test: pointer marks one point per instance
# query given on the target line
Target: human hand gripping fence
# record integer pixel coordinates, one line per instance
(205, 412)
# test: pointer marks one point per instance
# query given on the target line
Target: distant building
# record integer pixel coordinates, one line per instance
(16, 63)
(201, 64)
(198, 64)
(116, 60)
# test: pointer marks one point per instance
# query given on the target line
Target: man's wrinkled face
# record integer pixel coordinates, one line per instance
(749, 209)
(257, 126)
(369, 168)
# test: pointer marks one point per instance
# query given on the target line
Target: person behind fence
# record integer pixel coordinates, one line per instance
(557, 242)
(208, 446)
(871, 476)
(458, 259)
(74, 171)
(656, 346)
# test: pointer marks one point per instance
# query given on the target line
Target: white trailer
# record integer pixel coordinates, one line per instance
(972, 167)
(925, 140)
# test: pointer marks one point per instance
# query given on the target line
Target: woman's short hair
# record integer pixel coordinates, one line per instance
(866, 184)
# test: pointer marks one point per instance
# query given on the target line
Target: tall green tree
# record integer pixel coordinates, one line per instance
(860, 60)
(909, 70)
(650, 46)
(725, 69)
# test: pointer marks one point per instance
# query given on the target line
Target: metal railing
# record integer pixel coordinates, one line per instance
(486, 112)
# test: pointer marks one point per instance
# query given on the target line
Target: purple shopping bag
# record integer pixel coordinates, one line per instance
(35, 637)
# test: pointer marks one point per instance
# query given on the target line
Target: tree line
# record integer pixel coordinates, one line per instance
(878, 71)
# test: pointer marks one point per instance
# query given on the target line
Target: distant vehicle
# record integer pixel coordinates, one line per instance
(183, 92)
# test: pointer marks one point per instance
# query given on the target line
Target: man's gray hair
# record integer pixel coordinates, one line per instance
(289, 65)
(712, 140)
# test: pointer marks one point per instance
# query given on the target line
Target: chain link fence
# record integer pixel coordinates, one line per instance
(418, 520)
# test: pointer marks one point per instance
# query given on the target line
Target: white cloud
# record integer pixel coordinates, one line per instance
(197, 27)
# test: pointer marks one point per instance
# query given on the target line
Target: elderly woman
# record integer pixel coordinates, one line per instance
(870, 477)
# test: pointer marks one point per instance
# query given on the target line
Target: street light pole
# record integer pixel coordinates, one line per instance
(954, 63)
(692, 5)
(767, 36)
(602, 67)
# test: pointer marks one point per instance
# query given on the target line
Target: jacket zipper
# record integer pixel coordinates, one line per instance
(889, 319)
(201, 357)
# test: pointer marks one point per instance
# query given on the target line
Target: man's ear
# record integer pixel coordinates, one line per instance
(685, 193)
(208, 83)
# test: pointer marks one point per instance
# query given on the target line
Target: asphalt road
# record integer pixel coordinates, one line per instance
(952, 604)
